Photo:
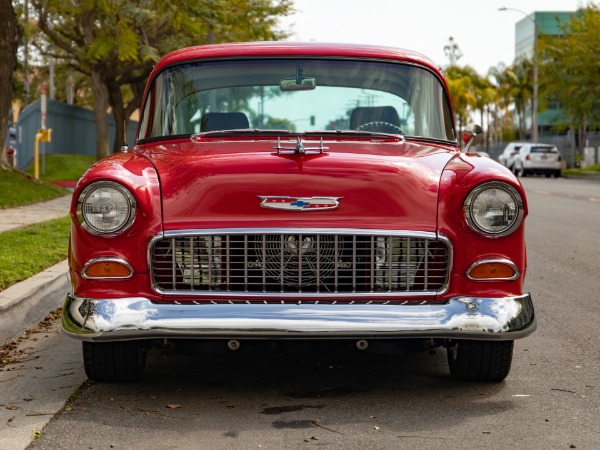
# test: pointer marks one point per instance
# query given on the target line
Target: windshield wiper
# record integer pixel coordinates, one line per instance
(429, 139)
(282, 133)
(354, 133)
(236, 131)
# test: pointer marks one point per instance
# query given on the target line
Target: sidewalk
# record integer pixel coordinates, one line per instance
(22, 216)
(26, 303)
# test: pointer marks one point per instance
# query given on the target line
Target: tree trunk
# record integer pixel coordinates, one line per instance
(100, 109)
(121, 111)
(88, 21)
(522, 121)
(487, 134)
(9, 42)
(115, 99)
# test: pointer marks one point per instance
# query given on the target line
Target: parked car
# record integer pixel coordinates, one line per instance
(542, 159)
(507, 156)
(256, 209)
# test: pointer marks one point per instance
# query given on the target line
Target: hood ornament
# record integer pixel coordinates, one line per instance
(299, 203)
(299, 148)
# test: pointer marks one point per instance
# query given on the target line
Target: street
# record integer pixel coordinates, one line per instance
(550, 400)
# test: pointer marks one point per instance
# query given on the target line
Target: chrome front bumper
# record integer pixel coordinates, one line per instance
(505, 318)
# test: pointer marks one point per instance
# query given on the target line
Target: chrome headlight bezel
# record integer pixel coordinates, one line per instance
(514, 198)
(126, 214)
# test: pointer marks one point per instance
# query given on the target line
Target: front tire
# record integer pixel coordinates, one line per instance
(114, 361)
(480, 360)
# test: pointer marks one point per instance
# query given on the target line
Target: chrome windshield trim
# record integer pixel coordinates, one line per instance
(505, 318)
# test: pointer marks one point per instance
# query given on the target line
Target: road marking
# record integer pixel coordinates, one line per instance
(542, 192)
(592, 199)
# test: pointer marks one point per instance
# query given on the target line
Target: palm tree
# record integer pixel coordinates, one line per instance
(500, 81)
(484, 96)
(460, 85)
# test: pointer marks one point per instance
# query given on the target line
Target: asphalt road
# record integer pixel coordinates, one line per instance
(551, 399)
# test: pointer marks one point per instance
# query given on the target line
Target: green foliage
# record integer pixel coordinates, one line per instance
(121, 40)
(589, 171)
(570, 67)
(19, 189)
(45, 244)
(274, 123)
(461, 82)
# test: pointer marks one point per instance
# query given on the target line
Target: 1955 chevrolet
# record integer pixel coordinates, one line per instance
(285, 191)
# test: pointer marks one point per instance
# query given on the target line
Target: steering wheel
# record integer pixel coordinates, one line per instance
(380, 127)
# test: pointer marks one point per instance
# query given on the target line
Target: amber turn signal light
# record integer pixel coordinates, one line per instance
(107, 269)
(493, 270)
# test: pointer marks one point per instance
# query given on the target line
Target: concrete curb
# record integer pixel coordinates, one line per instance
(26, 303)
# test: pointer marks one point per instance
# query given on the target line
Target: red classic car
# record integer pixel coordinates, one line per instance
(308, 192)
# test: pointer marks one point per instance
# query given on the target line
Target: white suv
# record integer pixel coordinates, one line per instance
(537, 159)
(507, 156)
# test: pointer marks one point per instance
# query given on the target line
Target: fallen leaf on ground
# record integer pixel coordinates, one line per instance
(173, 405)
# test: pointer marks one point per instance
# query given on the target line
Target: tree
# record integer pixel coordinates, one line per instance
(484, 96)
(570, 70)
(460, 84)
(520, 85)
(452, 51)
(117, 43)
(9, 43)
(500, 79)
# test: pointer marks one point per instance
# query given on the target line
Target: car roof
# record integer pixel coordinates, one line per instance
(293, 49)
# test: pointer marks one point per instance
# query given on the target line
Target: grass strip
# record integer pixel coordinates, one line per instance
(589, 171)
(17, 189)
(64, 167)
(30, 250)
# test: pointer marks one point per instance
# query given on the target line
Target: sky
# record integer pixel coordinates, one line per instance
(485, 35)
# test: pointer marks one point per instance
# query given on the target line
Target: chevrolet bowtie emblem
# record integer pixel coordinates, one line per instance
(300, 203)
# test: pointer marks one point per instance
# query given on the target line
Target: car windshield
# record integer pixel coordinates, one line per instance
(544, 149)
(297, 95)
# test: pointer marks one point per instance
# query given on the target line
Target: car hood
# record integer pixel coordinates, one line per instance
(221, 184)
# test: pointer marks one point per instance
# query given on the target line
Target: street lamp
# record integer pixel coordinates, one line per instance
(534, 116)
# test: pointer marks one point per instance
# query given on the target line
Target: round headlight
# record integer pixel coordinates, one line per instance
(105, 207)
(494, 209)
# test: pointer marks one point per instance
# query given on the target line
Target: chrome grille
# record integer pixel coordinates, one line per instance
(296, 262)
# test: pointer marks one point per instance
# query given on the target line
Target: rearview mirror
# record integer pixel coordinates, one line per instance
(293, 84)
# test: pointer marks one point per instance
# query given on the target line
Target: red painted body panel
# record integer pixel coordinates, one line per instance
(216, 183)
(139, 176)
(383, 184)
(459, 178)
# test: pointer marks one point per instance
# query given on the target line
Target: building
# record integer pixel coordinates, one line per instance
(548, 23)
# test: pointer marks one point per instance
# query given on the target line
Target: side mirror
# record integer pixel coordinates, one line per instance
(472, 135)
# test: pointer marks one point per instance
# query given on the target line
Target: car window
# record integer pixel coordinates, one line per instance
(541, 149)
(298, 95)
